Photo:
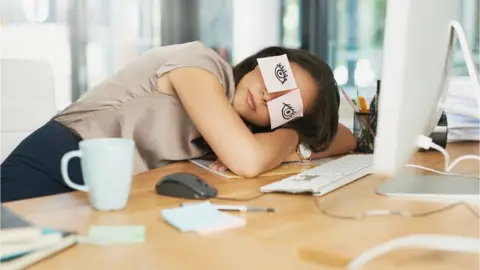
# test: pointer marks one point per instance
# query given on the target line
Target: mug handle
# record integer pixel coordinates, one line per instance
(64, 169)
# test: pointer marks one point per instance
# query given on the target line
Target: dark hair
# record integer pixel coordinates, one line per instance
(318, 126)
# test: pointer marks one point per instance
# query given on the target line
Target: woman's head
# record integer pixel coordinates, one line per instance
(318, 89)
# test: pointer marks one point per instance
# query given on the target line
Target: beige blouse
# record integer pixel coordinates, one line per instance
(129, 105)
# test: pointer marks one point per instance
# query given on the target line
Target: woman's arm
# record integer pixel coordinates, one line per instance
(342, 143)
(243, 152)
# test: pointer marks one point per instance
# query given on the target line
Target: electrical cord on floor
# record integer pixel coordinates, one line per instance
(241, 199)
(386, 212)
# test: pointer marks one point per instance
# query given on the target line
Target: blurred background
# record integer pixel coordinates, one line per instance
(87, 40)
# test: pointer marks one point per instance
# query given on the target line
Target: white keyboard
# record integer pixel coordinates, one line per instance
(325, 178)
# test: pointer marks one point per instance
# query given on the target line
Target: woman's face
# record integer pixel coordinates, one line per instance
(251, 96)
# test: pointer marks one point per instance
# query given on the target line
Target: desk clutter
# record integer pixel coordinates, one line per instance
(461, 96)
(454, 126)
(23, 244)
(205, 218)
(364, 119)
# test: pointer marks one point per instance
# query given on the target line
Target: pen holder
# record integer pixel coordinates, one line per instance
(364, 127)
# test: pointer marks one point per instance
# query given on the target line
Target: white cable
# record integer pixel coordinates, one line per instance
(444, 152)
(438, 242)
(456, 161)
(424, 142)
(472, 71)
(439, 172)
(427, 143)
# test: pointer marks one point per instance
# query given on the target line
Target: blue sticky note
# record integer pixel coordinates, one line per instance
(199, 217)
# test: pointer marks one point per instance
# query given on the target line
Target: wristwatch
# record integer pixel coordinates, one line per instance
(303, 152)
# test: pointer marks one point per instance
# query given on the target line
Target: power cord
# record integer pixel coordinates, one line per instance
(384, 212)
(436, 242)
(456, 161)
(427, 143)
(439, 172)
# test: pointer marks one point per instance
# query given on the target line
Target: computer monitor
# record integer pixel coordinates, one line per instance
(418, 46)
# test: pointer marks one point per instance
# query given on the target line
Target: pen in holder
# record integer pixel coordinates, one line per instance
(364, 125)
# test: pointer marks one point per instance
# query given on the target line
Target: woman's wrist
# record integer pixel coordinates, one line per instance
(303, 152)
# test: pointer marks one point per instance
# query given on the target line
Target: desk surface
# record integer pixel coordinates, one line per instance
(269, 240)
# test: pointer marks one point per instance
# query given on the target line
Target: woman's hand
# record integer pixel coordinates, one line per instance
(218, 166)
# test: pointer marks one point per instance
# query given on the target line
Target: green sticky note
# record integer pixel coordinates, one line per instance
(117, 234)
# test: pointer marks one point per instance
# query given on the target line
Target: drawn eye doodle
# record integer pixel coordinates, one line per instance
(287, 111)
(281, 73)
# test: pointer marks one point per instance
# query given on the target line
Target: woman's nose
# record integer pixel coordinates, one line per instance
(270, 96)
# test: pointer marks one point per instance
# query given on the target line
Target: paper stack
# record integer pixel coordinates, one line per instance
(203, 218)
(24, 244)
(460, 98)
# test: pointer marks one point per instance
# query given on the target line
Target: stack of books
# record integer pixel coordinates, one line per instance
(462, 97)
(23, 244)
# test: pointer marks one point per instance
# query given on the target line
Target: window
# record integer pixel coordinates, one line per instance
(216, 26)
(83, 41)
(291, 23)
(356, 51)
(38, 30)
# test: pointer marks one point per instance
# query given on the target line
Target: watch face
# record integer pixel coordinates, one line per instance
(305, 151)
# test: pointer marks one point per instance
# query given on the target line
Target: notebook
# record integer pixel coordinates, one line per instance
(13, 228)
(19, 250)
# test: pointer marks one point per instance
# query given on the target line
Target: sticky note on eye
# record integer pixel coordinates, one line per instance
(285, 108)
(277, 73)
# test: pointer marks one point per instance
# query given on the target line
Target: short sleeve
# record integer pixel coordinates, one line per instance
(196, 54)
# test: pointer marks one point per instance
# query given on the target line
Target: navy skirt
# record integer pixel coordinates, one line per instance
(33, 168)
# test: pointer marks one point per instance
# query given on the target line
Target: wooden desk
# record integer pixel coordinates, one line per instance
(269, 240)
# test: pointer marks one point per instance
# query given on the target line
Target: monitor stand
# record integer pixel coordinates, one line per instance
(442, 186)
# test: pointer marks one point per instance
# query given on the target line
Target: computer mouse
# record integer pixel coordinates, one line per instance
(185, 185)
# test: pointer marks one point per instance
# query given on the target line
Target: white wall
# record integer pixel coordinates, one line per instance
(256, 24)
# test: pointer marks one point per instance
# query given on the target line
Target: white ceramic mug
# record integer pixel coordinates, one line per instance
(107, 168)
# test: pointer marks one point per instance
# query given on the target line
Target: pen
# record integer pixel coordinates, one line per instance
(363, 104)
(378, 87)
(373, 105)
(356, 105)
(377, 96)
(241, 208)
(350, 101)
